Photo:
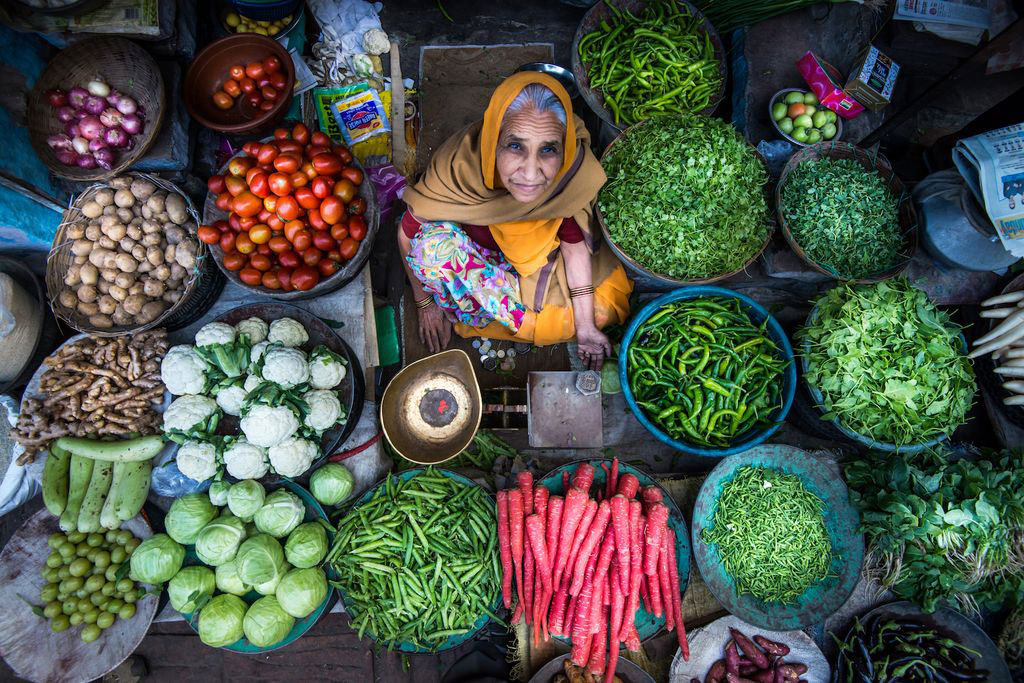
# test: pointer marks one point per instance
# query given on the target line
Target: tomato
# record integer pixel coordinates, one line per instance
(284, 276)
(353, 174)
(270, 203)
(260, 262)
(247, 85)
(279, 184)
(339, 231)
(266, 153)
(327, 163)
(254, 70)
(279, 244)
(275, 223)
(232, 88)
(262, 216)
(301, 240)
(316, 220)
(259, 185)
(348, 248)
(262, 82)
(304, 278)
(344, 190)
(234, 261)
(306, 198)
(234, 222)
(227, 243)
(208, 234)
(259, 233)
(215, 184)
(320, 138)
(239, 165)
(271, 281)
(223, 201)
(236, 71)
(289, 259)
(321, 187)
(266, 105)
(300, 134)
(269, 92)
(290, 147)
(357, 227)
(245, 223)
(312, 256)
(251, 148)
(313, 150)
(288, 208)
(291, 227)
(331, 210)
(281, 133)
(244, 244)
(250, 276)
(323, 241)
(334, 255)
(327, 267)
(264, 250)
(246, 204)
(357, 207)
(222, 100)
(343, 153)
(286, 163)
(271, 64)
(279, 81)
(221, 225)
(254, 100)
(299, 179)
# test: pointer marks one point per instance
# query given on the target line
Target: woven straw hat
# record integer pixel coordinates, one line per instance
(20, 320)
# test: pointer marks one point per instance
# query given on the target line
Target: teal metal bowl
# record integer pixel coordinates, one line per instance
(758, 314)
(453, 641)
(647, 625)
(313, 513)
(842, 523)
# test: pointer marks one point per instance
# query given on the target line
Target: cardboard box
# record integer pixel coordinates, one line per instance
(873, 79)
(823, 80)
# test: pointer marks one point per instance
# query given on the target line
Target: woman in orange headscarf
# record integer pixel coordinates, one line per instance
(499, 237)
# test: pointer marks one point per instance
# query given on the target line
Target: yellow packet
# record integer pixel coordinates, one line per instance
(360, 117)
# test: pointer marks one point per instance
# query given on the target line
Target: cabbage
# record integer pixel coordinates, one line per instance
(245, 498)
(218, 541)
(260, 559)
(219, 492)
(190, 588)
(228, 580)
(157, 559)
(187, 516)
(306, 545)
(220, 621)
(301, 591)
(265, 623)
(270, 587)
(281, 512)
(331, 484)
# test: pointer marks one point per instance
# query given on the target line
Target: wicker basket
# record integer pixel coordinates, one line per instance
(126, 67)
(871, 162)
(61, 258)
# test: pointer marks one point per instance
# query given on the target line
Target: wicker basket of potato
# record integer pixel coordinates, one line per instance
(125, 256)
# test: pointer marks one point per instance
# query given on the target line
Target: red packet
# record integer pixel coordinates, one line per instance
(824, 79)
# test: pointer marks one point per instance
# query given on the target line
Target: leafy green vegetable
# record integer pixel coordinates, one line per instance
(889, 365)
(844, 216)
(685, 197)
(939, 531)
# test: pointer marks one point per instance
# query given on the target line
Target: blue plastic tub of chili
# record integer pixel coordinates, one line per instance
(758, 314)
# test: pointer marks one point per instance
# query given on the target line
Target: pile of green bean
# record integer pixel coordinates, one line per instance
(704, 373)
(418, 561)
(659, 62)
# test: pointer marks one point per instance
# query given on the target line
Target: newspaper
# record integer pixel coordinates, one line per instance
(972, 13)
(992, 164)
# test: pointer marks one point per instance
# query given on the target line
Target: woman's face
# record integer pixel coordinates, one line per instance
(529, 153)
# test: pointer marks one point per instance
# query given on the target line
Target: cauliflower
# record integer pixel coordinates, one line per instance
(376, 42)
(189, 412)
(287, 331)
(215, 333)
(230, 399)
(254, 327)
(326, 369)
(292, 457)
(197, 460)
(324, 409)
(285, 367)
(251, 382)
(268, 426)
(245, 461)
(183, 371)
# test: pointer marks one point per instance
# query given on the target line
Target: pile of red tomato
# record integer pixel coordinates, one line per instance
(260, 83)
(295, 214)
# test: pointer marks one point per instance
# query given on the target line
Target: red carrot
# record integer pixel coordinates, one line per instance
(515, 518)
(594, 534)
(598, 650)
(608, 492)
(505, 548)
(620, 523)
(572, 512)
(613, 480)
(645, 593)
(596, 604)
(633, 640)
(635, 568)
(675, 598)
(540, 605)
(535, 532)
(525, 481)
(570, 612)
(565, 480)
(664, 578)
(589, 513)
(617, 608)
(654, 587)
(628, 486)
(650, 495)
(581, 650)
(555, 504)
(556, 617)
(657, 518)
(581, 623)
(583, 479)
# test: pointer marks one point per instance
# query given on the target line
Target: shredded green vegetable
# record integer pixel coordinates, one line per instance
(770, 533)
(685, 197)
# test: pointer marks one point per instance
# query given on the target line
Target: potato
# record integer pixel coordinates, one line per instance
(175, 206)
(175, 234)
(92, 209)
(177, 272)
(103, 286)
(150, 227)
(108, 275)
(73, 276)
(101, 321)
(155, 255)
(142, 189)
(121, 182)
(125, 215)
(155, 203)
(186, 254)
(126, 264)
(88, 308)
(76, 231)
(67, 298)
(153, 288)
(98, 255)
(138, 253)
(107, 304)
(110, 260)
(119, 293)
(133, 304)
(110, 210)
(151, 311)
(135, 289)
(127, 244)
(152, 239)
(144, 267)
(169, 251)
(88, 273)
(115, 231)
(87, 294)
(162, 218)
(121, 317)
(106, 242)
(79, 260)
(104, 197)
(135, 231)
(124, 199)
(172, 297)
(162, 272)
(125, 280)
(81, 247)
(93, 232)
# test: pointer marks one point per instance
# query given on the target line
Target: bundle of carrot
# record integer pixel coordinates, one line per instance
(558, 554)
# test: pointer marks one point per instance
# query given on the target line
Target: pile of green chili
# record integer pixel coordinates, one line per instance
(704, 373)
(658, 62)
(418, 561)
(770, 534)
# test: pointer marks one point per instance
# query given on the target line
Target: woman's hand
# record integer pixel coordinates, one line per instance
(435, 328)
(592, 346)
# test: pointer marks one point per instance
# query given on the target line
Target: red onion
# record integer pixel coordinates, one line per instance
(76, 96)
(86, 161)
(132, 124)
(59, 141)
(94, 105)
(81, 145)
(97, 144)
(80, 114)
(68, 157)
(126, 105)
(56, 98)
(105, 158)
(110, 117)
(113, 97)
(91, 127)
(115, 137)
(65, 114)
(72, 130)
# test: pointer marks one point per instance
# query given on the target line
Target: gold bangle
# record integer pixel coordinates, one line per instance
(425, 301)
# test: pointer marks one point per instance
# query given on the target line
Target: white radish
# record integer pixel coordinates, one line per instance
(1014, 400)
(1009, 323)
(1008, 298)
(1010, 372)
(1015, 386)
(997, 312)
(1015, 352)
(1013, 363)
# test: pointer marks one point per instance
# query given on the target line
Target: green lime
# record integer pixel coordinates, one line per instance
(123, 536)
(99, 599)
(91, 616)
(94, 540)
(94, 583)
(91, 633)
(108, 588)
(103, 558)
(118, 555)
(80, 567)
(131, 545)
(55, 540)
(76, 537)
(111, 572)
(111, 536)
(69, 605)
(52, 609)
(76, 618)
(49, 592)
(67, 550)
(126, 612)
(54, 560)
(61, 622)
(105, 620)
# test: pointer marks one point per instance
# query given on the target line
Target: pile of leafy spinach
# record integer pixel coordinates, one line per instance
(844, 217)
(685, 197)
(939, 531)
(889, 365)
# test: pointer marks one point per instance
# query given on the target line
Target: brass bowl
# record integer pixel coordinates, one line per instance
(431, 409)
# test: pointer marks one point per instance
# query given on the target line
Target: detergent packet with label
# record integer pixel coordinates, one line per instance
(361, 116)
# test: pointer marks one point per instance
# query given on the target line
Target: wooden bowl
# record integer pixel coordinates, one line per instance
(209, 70)
(127, 68)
